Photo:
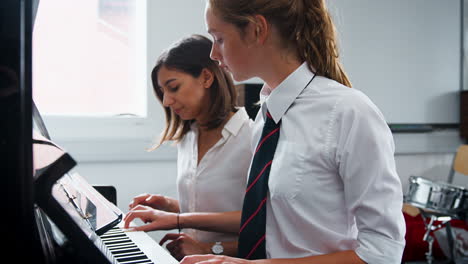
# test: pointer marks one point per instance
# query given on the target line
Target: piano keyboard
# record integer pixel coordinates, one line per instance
(135, 248)
(123, 248)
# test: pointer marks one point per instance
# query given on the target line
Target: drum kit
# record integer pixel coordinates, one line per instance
(438, 202)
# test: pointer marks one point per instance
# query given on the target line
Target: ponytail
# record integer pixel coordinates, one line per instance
(315, 38)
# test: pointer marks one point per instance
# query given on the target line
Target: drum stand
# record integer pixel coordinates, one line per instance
(429, 219)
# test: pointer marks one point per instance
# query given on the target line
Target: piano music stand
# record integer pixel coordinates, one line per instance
(77, 234)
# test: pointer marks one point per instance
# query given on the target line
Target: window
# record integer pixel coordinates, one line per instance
(89, 68)
(86, 57)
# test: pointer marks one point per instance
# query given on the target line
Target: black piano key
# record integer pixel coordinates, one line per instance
(123, 248)
(127, 250)
(128, 254)
(148, 261)
(126, 259)
(113, 235)
(126, 240)
(136, 261)
(142, 258)
(117, 246)
(120, 247)
(107, 241)
(113, 239)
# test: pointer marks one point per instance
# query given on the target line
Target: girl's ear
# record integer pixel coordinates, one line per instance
(261, 28)
(207, 78)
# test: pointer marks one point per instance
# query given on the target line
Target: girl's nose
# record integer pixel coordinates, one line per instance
(214, 54)
(167, 100)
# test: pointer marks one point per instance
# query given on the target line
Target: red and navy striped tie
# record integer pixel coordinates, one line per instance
(252, 230)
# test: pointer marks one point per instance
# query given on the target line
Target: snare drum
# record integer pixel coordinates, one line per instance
(439, 197)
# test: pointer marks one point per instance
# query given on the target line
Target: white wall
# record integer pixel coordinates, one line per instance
(404, 53)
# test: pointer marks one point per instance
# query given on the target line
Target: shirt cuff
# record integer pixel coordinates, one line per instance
(375, 248)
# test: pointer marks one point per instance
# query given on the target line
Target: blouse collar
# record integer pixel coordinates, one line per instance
(282, 97)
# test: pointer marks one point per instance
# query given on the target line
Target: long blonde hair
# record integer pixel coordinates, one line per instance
(304, 25)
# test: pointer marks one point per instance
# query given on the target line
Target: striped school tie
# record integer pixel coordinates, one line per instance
(252, 232)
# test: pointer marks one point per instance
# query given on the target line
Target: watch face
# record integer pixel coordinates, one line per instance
(217, 248)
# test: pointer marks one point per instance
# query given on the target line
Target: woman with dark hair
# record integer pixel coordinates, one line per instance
(326, 189)
(213, 141)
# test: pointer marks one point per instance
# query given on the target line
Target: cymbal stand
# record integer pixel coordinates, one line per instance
(428, 235)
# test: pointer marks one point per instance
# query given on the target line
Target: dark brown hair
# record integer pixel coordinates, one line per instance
(191, 55)
(303, 25)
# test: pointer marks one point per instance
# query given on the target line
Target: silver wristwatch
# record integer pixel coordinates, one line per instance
(217, 248)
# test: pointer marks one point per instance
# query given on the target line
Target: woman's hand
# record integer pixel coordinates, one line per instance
(155, 201)
(156, 219)
(212, 259)
(182, 245)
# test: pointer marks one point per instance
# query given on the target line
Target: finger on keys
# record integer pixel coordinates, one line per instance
(170, 236)
(174, 248)
(131, 215)
(144, 228)
(195, 259)
(138, 200)
(171, 245)
(212, 259)
(128, 219)
(136, 229)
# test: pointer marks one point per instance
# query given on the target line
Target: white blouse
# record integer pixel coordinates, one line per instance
(333, 182)
(218, 183)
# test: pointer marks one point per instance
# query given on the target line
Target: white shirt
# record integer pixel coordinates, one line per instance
(218, 183)
(333, 182)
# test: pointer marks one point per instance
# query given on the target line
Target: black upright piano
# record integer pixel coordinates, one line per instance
(50, 214)
(76, 223)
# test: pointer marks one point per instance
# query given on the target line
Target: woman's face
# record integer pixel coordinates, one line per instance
(186, 95)
(229, 48)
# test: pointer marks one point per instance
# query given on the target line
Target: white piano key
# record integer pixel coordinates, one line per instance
(151, 248)
(146, 249)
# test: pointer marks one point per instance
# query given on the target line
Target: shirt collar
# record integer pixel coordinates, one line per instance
(233, 125)
(281, 98)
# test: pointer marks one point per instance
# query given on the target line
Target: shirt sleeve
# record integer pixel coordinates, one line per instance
(373, 191)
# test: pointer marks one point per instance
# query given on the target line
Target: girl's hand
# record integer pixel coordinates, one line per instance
(155, 201)
(212, 259)
(182, 245)
(155, 219)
